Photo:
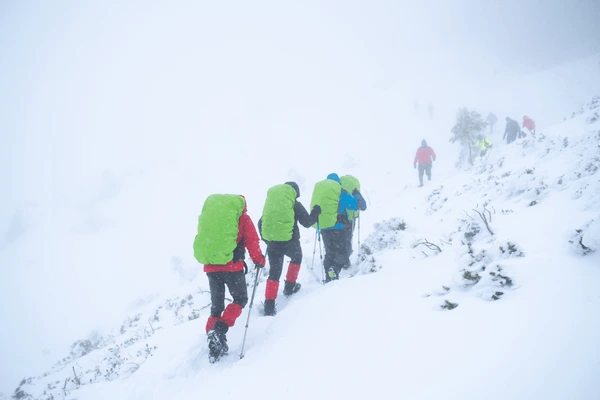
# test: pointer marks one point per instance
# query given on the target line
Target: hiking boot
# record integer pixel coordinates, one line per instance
(330, 275)
(270, 308)
(217, 341)
(291, 288)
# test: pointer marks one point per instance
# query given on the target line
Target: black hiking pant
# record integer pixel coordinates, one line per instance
(277, 250)
(348, 233)
(424, 168)
(235, 282)
(337, 249)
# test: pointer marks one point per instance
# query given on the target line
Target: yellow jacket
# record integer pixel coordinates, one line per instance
(483, 144)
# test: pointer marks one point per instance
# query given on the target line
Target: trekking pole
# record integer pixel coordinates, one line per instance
(358, 254)
(321, 252)
(250, 307)
(314, 252)
(351, 237)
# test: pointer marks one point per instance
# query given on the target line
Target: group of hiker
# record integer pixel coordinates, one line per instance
(226, 231)
(425, 155)
(512, 131)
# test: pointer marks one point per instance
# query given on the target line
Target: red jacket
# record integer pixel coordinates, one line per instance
(247, 234)
(424, 155)
(528, 123)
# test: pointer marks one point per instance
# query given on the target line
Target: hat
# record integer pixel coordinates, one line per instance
(334, 177)
(423, 142)
(295, 186)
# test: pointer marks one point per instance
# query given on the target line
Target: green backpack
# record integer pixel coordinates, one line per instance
(327, 195)
(218, 228)
(349, 183)
(278, 213)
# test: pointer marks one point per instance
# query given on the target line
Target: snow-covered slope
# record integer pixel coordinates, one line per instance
(482, 284)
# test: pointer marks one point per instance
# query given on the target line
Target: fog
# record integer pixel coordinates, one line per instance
(99, 99)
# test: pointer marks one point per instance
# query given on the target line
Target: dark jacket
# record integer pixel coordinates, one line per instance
(512, 129)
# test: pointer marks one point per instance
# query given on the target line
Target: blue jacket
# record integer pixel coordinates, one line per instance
(347, 202)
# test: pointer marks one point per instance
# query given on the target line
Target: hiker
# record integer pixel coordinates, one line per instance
(278, 227)
(529, 124)
(351, 185)
(425, 156)
(491, 120)
(335, 204)
(511, 131)
(483, 144)
(225, 231)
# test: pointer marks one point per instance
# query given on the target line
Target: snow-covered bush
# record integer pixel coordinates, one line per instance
(586, 239)
(114, 356)
(388, 234)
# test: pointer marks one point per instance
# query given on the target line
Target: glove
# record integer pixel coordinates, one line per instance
(317, 209)
(415, 165)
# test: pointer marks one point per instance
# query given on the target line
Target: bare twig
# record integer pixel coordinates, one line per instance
(429, 245)
(76, 380)
(65, 386)
(485, 221)
(489, 213)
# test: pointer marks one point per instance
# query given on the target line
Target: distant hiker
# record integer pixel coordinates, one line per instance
(425, 156)
(529, 124)
(351, 185)
(491, 120)
(225, 231)
(279, 229)
(512, 130)
(483, 144)
(335, 204)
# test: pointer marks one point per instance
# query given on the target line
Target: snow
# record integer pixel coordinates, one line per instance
(104, 299)
(523, 325)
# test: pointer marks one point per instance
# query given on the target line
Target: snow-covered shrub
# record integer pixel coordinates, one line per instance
(436, 200)
(586, 239)
(387, 235)
(367, 263)
(114, 356)
(493, 283)
(448, 305)
(510, 250)
(470, 230)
